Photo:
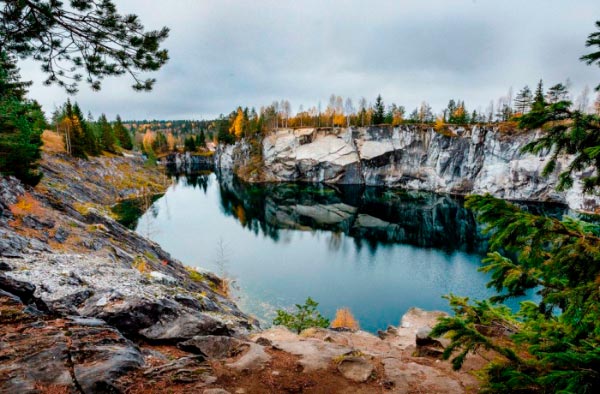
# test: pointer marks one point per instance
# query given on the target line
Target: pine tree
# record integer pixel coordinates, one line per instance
(551, 345)
(21, 125)
(378, 111)
(122, 134)
(201, 139)
(74, 136)
(557, 93)
(89, 36)
(90, 142)
(538, 100)
(107, 136)
(523, 100)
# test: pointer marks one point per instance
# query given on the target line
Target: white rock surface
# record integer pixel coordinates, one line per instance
(477, 160)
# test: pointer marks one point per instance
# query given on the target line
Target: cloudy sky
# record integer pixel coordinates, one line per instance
(226, 53)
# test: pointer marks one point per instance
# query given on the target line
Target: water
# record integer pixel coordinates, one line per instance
(376, 251)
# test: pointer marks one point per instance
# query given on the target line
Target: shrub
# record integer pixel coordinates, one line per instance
(344, 319)
(306, 316)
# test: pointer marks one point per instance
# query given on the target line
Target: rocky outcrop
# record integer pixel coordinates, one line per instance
(41, 353)
(462, 161)
(79, 292)
(188, 162)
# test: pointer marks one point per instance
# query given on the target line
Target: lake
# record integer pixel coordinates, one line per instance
(376, 251)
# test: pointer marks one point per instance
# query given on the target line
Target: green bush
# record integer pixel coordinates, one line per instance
(306, 316)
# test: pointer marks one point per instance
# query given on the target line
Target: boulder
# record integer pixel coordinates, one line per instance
(356, 369)
(212, 346)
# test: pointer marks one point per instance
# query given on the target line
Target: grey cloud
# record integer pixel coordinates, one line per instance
(226, 53)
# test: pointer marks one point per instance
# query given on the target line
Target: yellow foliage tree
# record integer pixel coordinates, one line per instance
(171, 141)
(148, 141)
(344, 319)
(439, 124)
(237, 127)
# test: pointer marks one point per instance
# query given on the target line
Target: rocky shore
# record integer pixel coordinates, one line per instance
(88, 306)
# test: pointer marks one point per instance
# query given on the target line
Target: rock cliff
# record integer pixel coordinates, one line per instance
(460, 161)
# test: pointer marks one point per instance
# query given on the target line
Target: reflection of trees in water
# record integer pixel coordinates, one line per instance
(371, 216)
(200, 179)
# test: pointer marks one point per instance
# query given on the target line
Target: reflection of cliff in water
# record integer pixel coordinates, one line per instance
(372, 216)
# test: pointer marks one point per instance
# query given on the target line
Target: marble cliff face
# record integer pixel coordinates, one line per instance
(460, 161)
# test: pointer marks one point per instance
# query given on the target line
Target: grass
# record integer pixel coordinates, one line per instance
(52, 142)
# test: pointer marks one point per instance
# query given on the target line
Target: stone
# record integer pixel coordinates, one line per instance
(215, 391)
(422, 338)
(61, 235)
(86, 357)
(159, 277)
(37, 223)
(356, 369)
(212, 346)
(254, 358)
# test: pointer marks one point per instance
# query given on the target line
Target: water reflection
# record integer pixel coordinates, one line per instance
(370, 216)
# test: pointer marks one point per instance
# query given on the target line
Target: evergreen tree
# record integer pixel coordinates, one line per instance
(122, 134)
(201, 139)
(107, 135)
(557, 93)
(74, 136)
(90, 142)
(21, 125)
(378, 111)
(523, 100)
(89, 36)
(189, 144)
(538, 100)
(551, 345)
(593, 57)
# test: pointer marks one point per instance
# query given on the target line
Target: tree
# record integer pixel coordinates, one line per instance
(523, 100)
(378, 111)
(556, 93)
(75, 140)
(547, 346)
(362, 110)
(538, 99)
(122, 134)
(201, 139)
(189, 144)
(593, 57)
(86, 39)
(551, 345)
(90, 142)
(21, 125)
(306, 316)
(107, 135)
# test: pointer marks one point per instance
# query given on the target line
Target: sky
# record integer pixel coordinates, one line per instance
(226, 53)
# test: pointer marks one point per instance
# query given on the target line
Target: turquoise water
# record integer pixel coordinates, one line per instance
(376, 251)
